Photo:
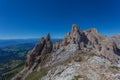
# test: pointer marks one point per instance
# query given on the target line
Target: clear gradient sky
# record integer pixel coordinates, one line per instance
(35, 18)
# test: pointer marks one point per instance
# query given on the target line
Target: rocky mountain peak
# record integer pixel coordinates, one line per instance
(75, 28)
(85, 44)
(75, 36)
(93, 30)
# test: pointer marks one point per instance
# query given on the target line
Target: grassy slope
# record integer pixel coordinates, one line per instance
(9, 74)
(37, 75)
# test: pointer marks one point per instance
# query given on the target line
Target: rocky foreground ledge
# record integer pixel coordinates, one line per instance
(82, 55)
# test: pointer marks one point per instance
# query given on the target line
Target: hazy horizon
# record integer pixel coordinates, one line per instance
(27, 38)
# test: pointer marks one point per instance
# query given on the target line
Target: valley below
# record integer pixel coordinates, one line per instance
(13, 56)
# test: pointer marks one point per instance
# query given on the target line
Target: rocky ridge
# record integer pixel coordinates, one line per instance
(81, 54)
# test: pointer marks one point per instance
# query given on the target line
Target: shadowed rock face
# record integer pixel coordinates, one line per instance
(75, 40)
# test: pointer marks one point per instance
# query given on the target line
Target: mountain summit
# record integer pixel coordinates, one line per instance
(82, 55)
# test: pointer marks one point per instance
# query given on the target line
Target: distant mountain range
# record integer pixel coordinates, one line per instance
(4, 43)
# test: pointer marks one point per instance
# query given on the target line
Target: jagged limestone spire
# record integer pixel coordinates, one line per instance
(48, 37)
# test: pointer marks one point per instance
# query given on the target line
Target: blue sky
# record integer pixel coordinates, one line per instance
(35, 18)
